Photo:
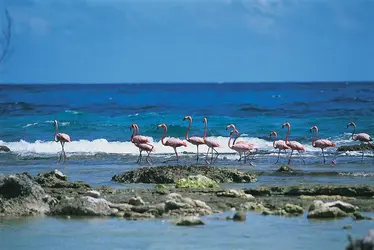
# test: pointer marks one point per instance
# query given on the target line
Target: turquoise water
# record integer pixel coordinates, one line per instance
(258, 232)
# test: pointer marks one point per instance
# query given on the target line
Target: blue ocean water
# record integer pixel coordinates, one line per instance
(97, 116)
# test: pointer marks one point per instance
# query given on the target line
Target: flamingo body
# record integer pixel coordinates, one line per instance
(175, 143)
(139, 139)
(62, 137)
(323, 143)
(194, 140)
(281, 145)
(362, 137)
(294, 145)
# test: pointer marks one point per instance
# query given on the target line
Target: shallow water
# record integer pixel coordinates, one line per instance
(258, 232)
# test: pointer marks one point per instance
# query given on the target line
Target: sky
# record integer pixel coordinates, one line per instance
(128, 41)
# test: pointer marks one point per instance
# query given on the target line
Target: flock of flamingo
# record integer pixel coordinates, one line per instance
(241, 147)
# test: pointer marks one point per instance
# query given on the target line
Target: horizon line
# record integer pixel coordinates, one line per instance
(210, 82)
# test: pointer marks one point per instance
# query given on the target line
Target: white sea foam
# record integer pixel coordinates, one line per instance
(126, 147)
(30, 125)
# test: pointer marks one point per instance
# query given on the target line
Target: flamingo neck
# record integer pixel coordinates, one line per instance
(133, 133)
(163, 135)
(136, 130)
(288, 133)
(228, 144)
(236, 137)
(206, 125)
(188, 130)
(275, 138)
(314, 138)
(354, 130)
(56, 131)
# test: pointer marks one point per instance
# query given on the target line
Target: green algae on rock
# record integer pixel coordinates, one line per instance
(196, 181)
(360, 147)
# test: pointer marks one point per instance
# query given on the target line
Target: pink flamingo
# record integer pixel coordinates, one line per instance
(62, 138)
(141, 142)
(294, 145)
(171, 142)
(321, 143)
(136, 138)
(237, 135)
(241, 148)
(209, 142)
(195, 140)
(362, 137)
(280, 144)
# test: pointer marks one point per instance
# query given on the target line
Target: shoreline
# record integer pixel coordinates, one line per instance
(51, 194)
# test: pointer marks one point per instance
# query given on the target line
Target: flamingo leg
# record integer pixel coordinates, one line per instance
(245, 158)
(197, 154)
(289, 159)
(302, 158)
(216, 153)
(206, 156)
(323, 154)
(278, 156)
(148, 157)
(63, 150)
(60, 153)
(176, 153)
(240, 156)
(140, 157)
(362, 157)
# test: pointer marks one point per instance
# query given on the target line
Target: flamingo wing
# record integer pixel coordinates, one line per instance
(211, 143)
(195, 140)
(175, 142)
(140, 139)
(323, 143)
(145, 147)
(363, 137)
(280, 144)
(63, 137)
(294, 145)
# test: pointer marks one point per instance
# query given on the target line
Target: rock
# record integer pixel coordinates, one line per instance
(82, 206)
(346, 207)
(137, 216)
(313, 190)
(57, 180)
(327, 212)
(359, 216)
(196, 181)
(60, 175)
(267, 212)
(170, 174)
(93, 193)
(360, 147)
(367, 243)
(235, 194)
(4, 149)
(177, 204)
(20, 195)
(252, 206)
(120, 206)
(239, 216)
(293, 209)
(104, 189)
(162, 186)
(326, 197)
(347, 227)
(136, 201)
(285, 168)
(189, 221)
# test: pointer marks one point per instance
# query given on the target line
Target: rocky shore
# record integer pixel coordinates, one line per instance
(52, 194)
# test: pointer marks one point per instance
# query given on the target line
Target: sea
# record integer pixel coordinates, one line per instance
(97, 117)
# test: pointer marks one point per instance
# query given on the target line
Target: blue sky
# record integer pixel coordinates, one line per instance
(94, 41)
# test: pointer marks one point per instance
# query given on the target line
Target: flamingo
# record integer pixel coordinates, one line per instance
(195, 140)
(172, 141)
(62, 138)
(141, 142)
(321, 143)
(136, 138)
(294, 145)
(241, 148)
(280, 144)
(209, 142)
(237, 135)
(362, 137)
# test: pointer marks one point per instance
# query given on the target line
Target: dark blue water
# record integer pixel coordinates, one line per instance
(97, 117)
